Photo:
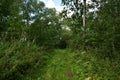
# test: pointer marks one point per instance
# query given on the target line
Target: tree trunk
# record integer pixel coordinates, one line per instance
(84, 23)
(84, 14)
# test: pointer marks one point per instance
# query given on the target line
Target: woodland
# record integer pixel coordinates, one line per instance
(39, 43)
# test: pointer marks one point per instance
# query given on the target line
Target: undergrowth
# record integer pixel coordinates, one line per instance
(18, 59)
(26, 61)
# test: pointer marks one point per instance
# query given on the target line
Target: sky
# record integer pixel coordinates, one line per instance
(53, 4)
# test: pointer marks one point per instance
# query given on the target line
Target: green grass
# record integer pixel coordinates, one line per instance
(57, 67)
(68, 65)
(57, 64)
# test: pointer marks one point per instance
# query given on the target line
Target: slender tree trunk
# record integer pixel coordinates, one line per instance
(84, 14)
(84, 23)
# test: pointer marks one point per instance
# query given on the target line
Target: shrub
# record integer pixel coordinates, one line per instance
(16, 59)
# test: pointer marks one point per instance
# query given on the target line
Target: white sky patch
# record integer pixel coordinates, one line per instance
(51, 4)
(59, 8)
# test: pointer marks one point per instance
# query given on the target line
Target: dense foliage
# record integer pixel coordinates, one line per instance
(17, 59)
(38, 43)
(101, 30)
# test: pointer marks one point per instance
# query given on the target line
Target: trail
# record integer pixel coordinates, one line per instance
(59, 67)
(67, 65)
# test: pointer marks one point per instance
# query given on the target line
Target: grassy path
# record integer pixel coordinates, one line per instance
(59, 67)
(67, 65)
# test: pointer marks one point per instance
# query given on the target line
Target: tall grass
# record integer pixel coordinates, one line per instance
(18, 59)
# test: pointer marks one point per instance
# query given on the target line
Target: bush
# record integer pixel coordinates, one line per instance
(16, 59)
(87, 64)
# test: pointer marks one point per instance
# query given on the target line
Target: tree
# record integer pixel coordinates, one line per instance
(4, 13)
(106, 31)
(80, 8)
(81, 13)
(45, 30)
(8, 13)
